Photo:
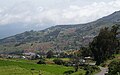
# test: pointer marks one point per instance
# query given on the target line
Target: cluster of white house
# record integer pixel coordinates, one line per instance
(29, 55)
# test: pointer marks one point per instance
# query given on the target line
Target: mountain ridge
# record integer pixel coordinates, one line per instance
(62, 37)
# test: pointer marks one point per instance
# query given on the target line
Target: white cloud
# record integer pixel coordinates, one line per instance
(72, 14)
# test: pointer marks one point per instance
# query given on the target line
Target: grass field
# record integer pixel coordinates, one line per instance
(21, 68)
(24, 67)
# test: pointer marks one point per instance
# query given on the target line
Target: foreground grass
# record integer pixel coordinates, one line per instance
(8, 67)
(80, 72)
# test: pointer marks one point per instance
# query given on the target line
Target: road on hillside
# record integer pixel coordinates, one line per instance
(103, 71)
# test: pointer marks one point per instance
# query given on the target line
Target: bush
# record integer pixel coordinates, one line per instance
(67, 64)
(91, 69)
(41, 61)
(95, 68)
(58, 61)
(68, 72)
(103, 64)
(50, 54)
(114, 67)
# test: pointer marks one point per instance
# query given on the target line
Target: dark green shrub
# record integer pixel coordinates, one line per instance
(58, 61)
(68, 72)
(114, 68)
(41, 61)
(91, 69)
(67, 64)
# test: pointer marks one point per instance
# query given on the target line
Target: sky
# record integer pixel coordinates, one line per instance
(17, 16)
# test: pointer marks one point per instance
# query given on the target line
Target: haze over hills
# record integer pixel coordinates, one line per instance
(15, 28)
(58, 38)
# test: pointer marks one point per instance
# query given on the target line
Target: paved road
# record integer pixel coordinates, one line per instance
(103, 71)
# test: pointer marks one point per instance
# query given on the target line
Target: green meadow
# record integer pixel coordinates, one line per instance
(10, 67)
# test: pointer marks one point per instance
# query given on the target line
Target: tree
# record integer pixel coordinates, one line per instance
(105, 44)
(50, 54)
(85, 52)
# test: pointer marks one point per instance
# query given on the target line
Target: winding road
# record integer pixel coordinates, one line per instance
(103, 71)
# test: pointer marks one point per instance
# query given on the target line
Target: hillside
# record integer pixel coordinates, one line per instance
(57, 38)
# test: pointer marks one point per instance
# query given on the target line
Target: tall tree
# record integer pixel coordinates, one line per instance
(105, 44)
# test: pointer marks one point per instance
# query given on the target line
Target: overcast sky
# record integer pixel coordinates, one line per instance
(20, 15)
